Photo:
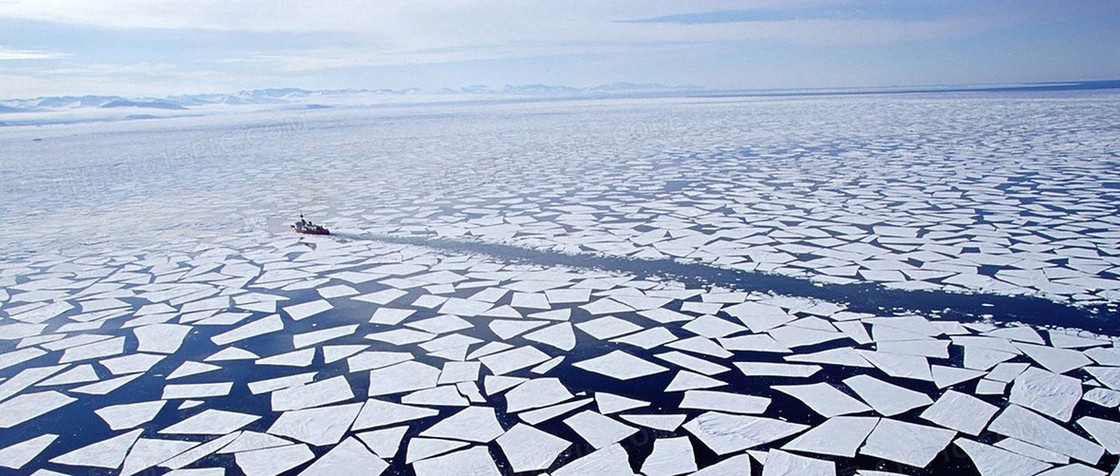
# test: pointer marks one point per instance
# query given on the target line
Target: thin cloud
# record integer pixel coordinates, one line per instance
(9, 54)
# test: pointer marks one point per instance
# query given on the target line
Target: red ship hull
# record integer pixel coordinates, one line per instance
(307, 231)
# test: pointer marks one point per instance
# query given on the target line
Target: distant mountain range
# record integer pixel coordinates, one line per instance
(118, 107)
(309, 98)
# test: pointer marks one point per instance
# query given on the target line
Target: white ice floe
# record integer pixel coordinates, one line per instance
(475, 424)
(198, 452)
(657, 422)
(824, 399)
(189, 368)
(711, 326)
(474, 461)
(514, 359)
(887, 399)
(455, 372)
(29, 406)
(497, 384)
(724, 402)
(317, 426)
(948, 376)
(302, 311)
(724, 433)
(1058, 361)
(598, 430)
(843, 356)
(1048, 393)
(992, 461)
(753, 343)
(376, 413)
(899, 365)
(620, 365)
(273, 384)
(780, 463)
(1018, 422)
(609, 403)
(1106, 432)
(385, 442)
(298, 358)
(906, 443)
(609, 461)
(961, 412)
(17, 455)
(147, 452)
(390, 316)
(1031, 451)
(670, 457)
(403, 377)
(79, 374)
(685, 380)
(759, 317)
(251, 440)
(733, 466)
(508, 329)
(536, 393)
(108, 453)
(539, 415)
(273, 461)
(529, 449)
(559, 336)
(130, 415)
(837, 436)
(648, 338)
(773, 369)
(325, 392)
(348, 457)
(105, 387)
(160, 338)
(692, 363)
(305, 339)
(210, 422)
(607, 327)
(196, 390)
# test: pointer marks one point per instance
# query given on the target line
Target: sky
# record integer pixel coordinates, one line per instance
(168, 47)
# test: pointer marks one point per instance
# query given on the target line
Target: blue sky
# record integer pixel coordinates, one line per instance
(166, 47)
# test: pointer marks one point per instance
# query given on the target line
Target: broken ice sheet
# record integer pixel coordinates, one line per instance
(530, 449)
(906, 443)
(724, 433)
(887, 399)
(670, 457)
(598, 430)
(16, 455)
(475, 461)
(724, 402)
(824, 399)
(837, 436)
(620, 365)
(961, 412)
